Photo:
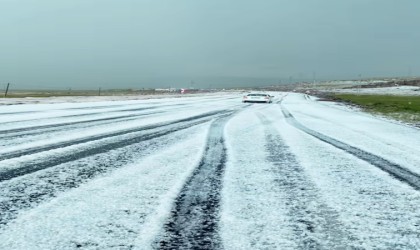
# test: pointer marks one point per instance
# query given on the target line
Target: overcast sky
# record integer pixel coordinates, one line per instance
(146, 43)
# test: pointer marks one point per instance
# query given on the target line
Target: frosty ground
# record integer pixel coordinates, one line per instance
(206, 172)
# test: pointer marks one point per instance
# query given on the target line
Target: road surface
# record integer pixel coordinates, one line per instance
(207, 173)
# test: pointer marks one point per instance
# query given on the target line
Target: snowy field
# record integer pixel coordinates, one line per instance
(205, 172)
(396, 90)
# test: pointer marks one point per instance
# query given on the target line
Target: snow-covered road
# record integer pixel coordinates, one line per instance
(206, 173)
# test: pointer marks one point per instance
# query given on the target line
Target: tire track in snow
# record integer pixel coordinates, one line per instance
(194, 218)
(75, 115)
(27, 192)
(40, 129)
(395, 170)
(165, 128)
(315, 225)
(27, 131)
(102, 136)
(58, 125)
(156, 106)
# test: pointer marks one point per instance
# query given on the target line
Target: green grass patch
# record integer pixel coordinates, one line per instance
(405, 108)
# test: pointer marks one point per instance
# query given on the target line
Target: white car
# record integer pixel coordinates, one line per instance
(254, 97)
